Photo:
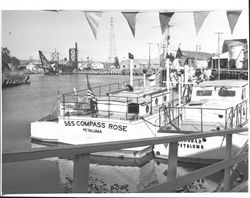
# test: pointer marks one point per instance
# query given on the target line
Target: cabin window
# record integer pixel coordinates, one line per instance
(133, 108)
(243, 96)
(204, 93)
(165, 98)
(147, 109)
(224, 92)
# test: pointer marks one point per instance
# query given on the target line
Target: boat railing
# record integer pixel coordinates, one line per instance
(111, 105)
(204, 119)
(230, 74)
(104, 89)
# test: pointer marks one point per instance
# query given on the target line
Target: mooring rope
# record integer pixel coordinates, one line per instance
(149, 122)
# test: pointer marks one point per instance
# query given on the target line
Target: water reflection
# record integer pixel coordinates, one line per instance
(121, 175)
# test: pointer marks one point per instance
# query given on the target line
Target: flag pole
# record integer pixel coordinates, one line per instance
(131, 64)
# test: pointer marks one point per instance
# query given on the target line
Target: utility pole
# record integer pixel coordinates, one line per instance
(166, 39)
(196, 49)
(219, 33)
(76, 57)
(149, 55)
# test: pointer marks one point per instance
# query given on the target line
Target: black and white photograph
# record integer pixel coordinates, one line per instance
(124, 98)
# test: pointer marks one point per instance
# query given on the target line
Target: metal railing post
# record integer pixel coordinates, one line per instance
(63, 105)
(81, 174)
(241, 112)
(151, 106)
(228, 156)
(237, 115)
(137, 115)
(232, 117)
(225, 119)
(178, 116)
(201, 121)
(127, 110)
(109, 107)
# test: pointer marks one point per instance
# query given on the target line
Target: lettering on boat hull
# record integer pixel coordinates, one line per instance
(96, 126)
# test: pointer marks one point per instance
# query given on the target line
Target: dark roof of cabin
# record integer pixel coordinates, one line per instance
(227, 43)
(219, 83)
(194, 54)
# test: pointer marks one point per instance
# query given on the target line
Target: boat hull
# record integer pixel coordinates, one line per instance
(203, 150)
(46, 131)
(85, 130)
(78, 130)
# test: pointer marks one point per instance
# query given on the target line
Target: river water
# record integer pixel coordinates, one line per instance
(24, 104)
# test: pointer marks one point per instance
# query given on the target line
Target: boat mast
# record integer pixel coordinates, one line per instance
(166, 41)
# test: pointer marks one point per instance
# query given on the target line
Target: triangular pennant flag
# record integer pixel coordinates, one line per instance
(164, 20)
(233, 16)
(199, 18)
(131, 19)
(93, 18)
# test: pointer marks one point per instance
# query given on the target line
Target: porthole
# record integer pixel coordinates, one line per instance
(156, 101)
(165, 98)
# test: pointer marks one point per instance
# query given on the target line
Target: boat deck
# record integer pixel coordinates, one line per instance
(194, 126)
(122, 104)
(110, 115)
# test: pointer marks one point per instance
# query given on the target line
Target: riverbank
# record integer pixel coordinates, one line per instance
(13, 79)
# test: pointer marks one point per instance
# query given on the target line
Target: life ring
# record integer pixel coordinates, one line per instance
(130, 88)
(156, 101)
(222, 91)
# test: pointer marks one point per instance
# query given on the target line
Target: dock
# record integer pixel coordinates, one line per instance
(81, 156)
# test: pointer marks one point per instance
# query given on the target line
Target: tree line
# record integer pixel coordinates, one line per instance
(8, 59)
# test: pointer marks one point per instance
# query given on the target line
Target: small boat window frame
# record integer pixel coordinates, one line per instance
(243, 96)
(225, 92)
(156, 101)
(205, 92)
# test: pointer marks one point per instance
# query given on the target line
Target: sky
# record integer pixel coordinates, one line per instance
(25, 30)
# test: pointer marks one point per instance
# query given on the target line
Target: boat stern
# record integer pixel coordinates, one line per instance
(46, 131)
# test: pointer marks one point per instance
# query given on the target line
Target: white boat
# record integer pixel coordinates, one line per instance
(125, 112)
(215, 105)
(120, 113)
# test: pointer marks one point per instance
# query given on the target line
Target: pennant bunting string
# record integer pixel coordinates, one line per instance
(93, 18)
(233, 16)
(164, 20)
(199, 18)
(131, 19)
